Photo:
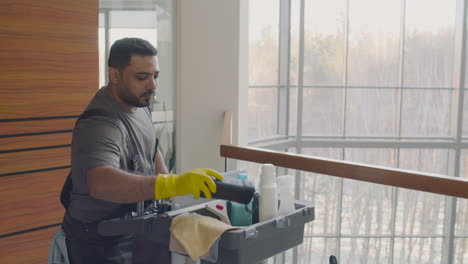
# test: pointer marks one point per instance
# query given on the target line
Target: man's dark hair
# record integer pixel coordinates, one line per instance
(123, 49)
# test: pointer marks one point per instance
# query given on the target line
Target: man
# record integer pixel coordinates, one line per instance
(115, 163)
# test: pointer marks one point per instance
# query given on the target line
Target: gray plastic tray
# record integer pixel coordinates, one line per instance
(260, 241)
(247, 245)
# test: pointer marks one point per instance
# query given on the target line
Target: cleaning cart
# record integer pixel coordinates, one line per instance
(247, 245)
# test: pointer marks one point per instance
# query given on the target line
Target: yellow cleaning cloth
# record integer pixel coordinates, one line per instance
(197, 233)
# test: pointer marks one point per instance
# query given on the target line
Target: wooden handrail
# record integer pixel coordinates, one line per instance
(414, 180)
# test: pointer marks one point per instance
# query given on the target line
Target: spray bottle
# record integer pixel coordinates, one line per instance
(268, 207)
(285, 194)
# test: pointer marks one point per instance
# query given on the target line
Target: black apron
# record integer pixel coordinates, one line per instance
(85, 245)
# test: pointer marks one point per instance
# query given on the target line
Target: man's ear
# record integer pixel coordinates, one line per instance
(114, 75)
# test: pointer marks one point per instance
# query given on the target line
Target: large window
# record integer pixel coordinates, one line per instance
(372, 81)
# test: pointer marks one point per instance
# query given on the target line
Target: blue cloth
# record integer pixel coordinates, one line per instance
(58, 249)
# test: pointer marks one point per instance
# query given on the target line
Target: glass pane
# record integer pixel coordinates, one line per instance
(461, 218)
(165, 102)
(322, 112)
(466, 58)
(429, 43)
(294, 42)
(461, 251)
(367, 207)
(292, 111)
(102, 20)
(148, 34)
(293, 65)
(465, 110)
(464, 163)
(324, 42)
(373, 44)
(323, 192)
(263, 112)
(365, 250)
(165, 98)
(133, 19)
(317, 250)
(425, 160)
(263, 42)
(426, 113)
(102, 57)
(418, 250)
(371, 112)
(139, 24)
(420, 212)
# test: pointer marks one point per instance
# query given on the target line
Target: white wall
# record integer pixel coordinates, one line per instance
(211, 40)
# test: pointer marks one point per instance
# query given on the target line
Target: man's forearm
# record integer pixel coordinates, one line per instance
(114, 185)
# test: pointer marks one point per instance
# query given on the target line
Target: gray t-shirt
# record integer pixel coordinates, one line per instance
(102, 141)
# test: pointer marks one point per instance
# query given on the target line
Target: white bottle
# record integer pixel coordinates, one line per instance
(268, 206)
(285, 194)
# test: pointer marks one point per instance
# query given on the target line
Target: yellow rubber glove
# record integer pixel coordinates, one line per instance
(190, 182)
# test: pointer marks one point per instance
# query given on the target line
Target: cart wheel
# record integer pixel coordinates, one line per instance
(333, 260)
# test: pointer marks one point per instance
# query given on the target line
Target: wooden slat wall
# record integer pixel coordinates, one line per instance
(30, 247)
(49, 58)
(25, 161)
(36, 141)
(36, 126)
(31, 200)
(48, 74)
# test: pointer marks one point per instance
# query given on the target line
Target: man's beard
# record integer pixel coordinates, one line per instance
(134, 101)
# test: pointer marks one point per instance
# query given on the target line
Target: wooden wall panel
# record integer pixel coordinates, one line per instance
(48, 74)
(60, 105)
(34, 160)
(31, 200)
(36, 126)
(27, 248)
(25, 142)
(48, 57)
